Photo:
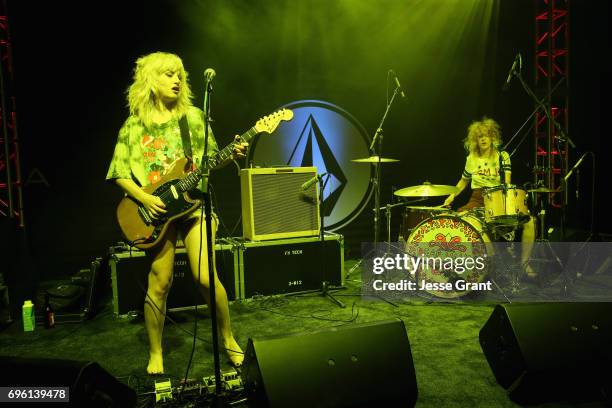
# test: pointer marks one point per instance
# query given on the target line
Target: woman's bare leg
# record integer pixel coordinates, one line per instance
(192, 244)
(160, 280)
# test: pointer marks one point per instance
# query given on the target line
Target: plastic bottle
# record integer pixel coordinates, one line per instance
(29, 321)
(49, 314)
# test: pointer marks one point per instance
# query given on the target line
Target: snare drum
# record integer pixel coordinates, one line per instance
(449, 237)
(413, 216)
(505, 205)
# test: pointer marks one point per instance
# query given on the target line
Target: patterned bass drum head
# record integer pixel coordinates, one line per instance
(444, 244)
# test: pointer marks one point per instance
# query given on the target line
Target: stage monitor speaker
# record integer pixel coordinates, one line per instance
(274, 205)
(361, 365)
(550, 351)
(90, 385)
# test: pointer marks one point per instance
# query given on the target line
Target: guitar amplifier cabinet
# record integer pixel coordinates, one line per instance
(130, 269)
(290, 265)
(275, 206)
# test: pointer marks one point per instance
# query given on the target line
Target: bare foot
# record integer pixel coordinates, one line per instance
(234, 352)
(156, 363)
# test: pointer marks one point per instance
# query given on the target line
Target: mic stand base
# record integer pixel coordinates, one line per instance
(325, 293)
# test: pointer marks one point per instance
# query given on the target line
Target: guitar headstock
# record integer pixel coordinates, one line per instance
(268, 124)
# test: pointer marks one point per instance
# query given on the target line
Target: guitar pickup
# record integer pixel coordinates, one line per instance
(144, 214)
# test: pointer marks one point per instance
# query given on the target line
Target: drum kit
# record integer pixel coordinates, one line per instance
(505, 210)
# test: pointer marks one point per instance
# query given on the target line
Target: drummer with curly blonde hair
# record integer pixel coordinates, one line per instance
(482, 169)
(487, 167)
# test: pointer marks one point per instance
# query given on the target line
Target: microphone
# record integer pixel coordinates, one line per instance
(518, 61)
(209, 74)
(397, 83)
(313, 180)
(577, 182)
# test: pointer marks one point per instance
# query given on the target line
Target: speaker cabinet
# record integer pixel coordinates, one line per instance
(274, 205)
(362, 365)
(291, 265)
(129, 272)
(550, 351)
(89, 384)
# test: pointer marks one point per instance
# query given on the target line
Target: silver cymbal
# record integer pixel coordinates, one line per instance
(426, 190)
(426, 208)
(375, 159)
(544, 190)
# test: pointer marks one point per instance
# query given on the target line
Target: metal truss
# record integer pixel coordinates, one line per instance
(552, 87)
(11, 195)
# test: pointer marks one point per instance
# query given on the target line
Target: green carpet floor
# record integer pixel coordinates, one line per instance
(450, 367)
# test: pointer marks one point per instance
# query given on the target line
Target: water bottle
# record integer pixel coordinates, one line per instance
(49, 314)
(29, 321)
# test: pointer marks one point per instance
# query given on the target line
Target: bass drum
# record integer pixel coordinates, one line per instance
(453, 254)
(413, 216)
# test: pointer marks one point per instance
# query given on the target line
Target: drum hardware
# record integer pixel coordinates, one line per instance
(592, 234)
(375, 160)
(545, 190)
(543, 241)
(426, 190)
(376, 181)
(387, 208)
(377, 208)
(377, 153)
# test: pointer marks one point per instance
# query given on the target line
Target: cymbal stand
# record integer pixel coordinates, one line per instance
(591, 236)
(378, 137)
(376, 181)
(387, 209)
(543, 241)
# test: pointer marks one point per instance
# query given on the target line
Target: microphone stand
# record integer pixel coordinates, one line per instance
(210, 247)
(324, 284)
(378, 137)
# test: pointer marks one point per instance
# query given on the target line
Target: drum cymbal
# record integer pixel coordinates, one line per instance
(426, 208)
(543, 190)
(375, 159)
(426, 190)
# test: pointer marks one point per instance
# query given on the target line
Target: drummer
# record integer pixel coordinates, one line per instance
(482, 170)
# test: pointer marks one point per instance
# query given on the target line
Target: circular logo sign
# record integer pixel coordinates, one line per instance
(328, 137)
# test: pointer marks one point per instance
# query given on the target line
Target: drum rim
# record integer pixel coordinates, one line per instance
(503, 187)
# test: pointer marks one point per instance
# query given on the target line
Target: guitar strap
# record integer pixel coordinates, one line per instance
(184, 126)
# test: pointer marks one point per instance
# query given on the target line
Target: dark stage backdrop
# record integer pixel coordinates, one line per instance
(73, 63)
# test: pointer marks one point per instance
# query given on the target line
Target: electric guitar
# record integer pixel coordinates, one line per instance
(141, 229)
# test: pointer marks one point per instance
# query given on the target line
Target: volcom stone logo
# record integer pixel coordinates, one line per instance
(325, 136)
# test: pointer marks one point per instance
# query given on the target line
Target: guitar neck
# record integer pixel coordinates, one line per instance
(191, 181)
